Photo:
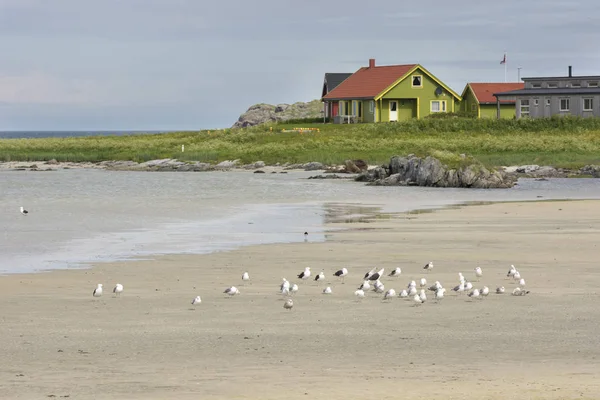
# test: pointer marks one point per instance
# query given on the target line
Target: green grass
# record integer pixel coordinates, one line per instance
(561, 142)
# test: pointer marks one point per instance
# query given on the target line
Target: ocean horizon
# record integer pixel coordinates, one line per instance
(36, 134)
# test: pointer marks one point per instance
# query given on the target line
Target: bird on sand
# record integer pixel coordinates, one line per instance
(365, 286)
(417, 300)
(98, 291)
(304, 274)
(474, 294)
(500, 290)
(359, 293)
(320, 276)
(197, 300)
(232, 291)
(289, 303)
(478, 272)
(395, 272)
(428, 266)
(341, 273)
(327, 290)
(439, 294)
(245, 276)
(371, 272)
(484, 291)
(24, 211)
(390, 294)
(377, 275)
(118, 289)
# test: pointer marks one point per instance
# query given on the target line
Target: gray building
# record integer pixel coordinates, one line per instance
(544, 97)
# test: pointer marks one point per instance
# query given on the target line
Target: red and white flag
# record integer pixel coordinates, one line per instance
(503, 60)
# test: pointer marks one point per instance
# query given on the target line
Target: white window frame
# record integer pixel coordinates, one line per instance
(536, 85)
(412, 81)
(536, 102)
(524, 107)
(576, 84)
(592, 84)
(591, 104)
(442, 106)
(552, 85)
(548, 102)
(568, 102)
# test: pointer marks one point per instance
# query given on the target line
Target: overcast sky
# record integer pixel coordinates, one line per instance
(191, 64)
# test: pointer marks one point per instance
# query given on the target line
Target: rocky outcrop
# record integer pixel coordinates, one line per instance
(262, 113)
(591, 170)
(429, 171)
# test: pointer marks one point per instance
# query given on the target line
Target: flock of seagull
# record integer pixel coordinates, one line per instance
(372, 281)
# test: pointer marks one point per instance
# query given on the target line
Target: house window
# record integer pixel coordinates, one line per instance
(588, 104)
(354, 109)
(552, 85)
(547, 102)
(371, 106)
(360, 109)
(473, 107)
(575, 85)
(536, 85)
(536, 102)
(592, 84)
(524, 108)
(564, 104)
(417, 81)
(438, 106)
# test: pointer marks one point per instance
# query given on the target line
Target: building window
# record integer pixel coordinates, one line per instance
(547, 102)
(360, 109)
(524, 108)
(438, 106)
(536, 102)
(371, 106)
(417, 81)
(575, 85)
(536, 85)
(588, 104)
(473, 107)
(592, 84)
(552, 85)
(564, 104)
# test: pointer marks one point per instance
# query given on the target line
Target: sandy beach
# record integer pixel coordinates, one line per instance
(60, 342)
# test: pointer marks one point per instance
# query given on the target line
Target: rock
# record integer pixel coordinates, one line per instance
(547, 172)
(527, 169)
(52, 162)
(355, 166)
(293, 166)
(332, 176)
(313, 166)
(262, 113)
(259, 171)
(227, 164)
(415, 171)
(33, 166)
(256, 165)
(593, 170)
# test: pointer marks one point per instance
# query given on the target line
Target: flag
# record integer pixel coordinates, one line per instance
(503, 60)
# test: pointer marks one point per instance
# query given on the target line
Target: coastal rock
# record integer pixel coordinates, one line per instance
(227, 164)
(527, 169)
(593, 170)
(52, 162)
(256, 165)
(431, 172)
(313, 166)
(262, 113)
(331, 176)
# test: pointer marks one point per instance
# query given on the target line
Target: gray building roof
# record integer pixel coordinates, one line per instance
(550, 92)
(332, 80)
(563, 78)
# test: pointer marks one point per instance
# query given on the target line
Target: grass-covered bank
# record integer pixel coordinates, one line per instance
(561, 142)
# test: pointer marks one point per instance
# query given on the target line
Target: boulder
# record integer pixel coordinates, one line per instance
(592, 170)
(52, 162)
(263, 113)
(256, 165)
(227, 164)
(431, 172)
(313, 166)
(527, 169)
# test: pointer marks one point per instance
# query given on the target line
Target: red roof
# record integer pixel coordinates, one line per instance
(368, 82)
(485, 91)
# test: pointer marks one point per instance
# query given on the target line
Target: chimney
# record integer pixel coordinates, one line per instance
(371, 63)
(570, 71)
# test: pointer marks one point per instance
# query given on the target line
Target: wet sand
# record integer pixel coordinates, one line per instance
(57, 340)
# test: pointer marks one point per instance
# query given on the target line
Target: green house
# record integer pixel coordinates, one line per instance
(391, 93)
(478, 98)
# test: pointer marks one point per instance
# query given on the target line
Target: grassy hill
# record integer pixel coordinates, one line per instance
(561, 142)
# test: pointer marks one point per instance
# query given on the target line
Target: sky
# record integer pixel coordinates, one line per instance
(199, 64)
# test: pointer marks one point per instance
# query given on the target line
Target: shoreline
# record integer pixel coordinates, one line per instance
(332, 346)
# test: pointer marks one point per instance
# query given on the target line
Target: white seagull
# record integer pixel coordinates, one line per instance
(320, 276)
(365, 286)
(377, 275)
(519, 292)
(468, 286)
(359, 293)
(500, 290)
(436, 286)
(417, 300)
(245, 276)
(428, 266)
(98, 291)
(460, 288)
(395, 272)
(294, 288)
(232, 291)
(412, 291)
(403, 294)
(423, 296)
(517, 275)
(196, 301)
(439, 294)
(327, 290)
(474, 294)
(511, 271)
(341, 273)
(118, 289)
(289, 303)
(411, 284)
(24, 211)
(423, 282)
(304, 274)
(285, 286)
(485, 291)
(478, 272)
(368, 274)
(378, 287)
(389, 294)
(522, 282)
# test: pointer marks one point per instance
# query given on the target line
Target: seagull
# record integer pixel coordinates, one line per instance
(368, 274)
(320, 276)
(98, 291)
(378, 287)
(520, 292)
(245, 276)
(403, 293)
(436, 286)
(428, 266)
(327, 290)
(517, 275)
(289, 303)
(474, 294)
(417, 300)
(468, 286)
(522, 282)
(511, 271)
(500, 290)
(118, 289)
(377, 275)
(285, 285)
(423, 296)
(341, 273)
(359, 293)
(304, 274)
(478, 272)
(232, 291)
(389, 294)
(412, 291)
(395, 272)
(24, 211)
(485, 291)
(365, 286)
(196, 301)
(293, 289)
(461, 278)
(460, 288)
(423, 282)
(439, 294)
(411, 284)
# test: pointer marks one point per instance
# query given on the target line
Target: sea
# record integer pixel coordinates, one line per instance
(66, 134)
(78, 217)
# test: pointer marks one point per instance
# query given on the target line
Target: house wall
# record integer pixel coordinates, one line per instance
(543, 109)
(469, 104)
(368, 113)
(425, 94)
(491, 111)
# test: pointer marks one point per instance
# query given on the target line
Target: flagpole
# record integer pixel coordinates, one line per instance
(505, 67)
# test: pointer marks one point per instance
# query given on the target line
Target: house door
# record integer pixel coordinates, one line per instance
(393, 110)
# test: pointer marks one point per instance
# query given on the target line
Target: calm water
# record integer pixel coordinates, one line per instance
(62, 134)
(80, 216)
